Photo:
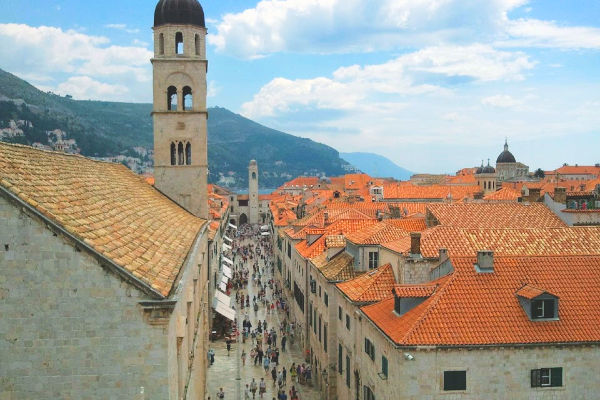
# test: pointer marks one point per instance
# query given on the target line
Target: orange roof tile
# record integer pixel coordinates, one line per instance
(106, 206)
(381, 232)
(372, 286)
(408, 224)
(530, 292)
(433, 192)
(495, 215)
(483, 309)
(424, 290)
(505, 194)
(340, 268)
(335, 241)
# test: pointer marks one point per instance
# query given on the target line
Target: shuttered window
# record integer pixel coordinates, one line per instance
(546, 377)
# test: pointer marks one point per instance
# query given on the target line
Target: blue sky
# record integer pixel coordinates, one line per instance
(434, 85)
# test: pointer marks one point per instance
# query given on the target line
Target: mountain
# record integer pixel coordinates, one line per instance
(110, 129)
(376, 165)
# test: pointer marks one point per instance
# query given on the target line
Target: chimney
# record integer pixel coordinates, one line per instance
(443, 254)
(478, 196)
(415, 243)
(560, 195)
(534, 194)
(326, 217)
(485, 261)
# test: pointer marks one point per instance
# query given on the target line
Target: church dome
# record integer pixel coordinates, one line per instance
(179, 12)
(506, 156)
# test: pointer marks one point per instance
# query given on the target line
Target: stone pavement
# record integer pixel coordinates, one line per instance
(227, 371)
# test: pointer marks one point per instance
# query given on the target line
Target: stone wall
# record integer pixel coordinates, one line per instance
(70, 329)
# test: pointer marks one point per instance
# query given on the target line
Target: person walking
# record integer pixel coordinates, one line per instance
(253, 387)
(266, 363)
(220, 394)
(243, 357)
(262, 387)
(247, 392)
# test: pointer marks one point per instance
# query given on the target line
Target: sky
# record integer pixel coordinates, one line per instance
(434, 85)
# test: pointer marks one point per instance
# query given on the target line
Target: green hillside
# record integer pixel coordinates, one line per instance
(108, 129)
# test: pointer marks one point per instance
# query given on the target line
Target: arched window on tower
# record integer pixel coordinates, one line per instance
(197, 44)
(253, 175)
(180, 159)
(161, 44)
(173, 154)
(187, 98)
(179, 43)
(172, 98)
(188, 154)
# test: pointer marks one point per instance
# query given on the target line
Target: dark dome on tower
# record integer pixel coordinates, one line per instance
(179, 12)
(506, 156)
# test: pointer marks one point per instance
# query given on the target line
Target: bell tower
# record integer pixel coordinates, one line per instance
(253, 192)
(179, 113)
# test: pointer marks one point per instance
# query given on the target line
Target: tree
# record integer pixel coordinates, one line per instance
(539, 173)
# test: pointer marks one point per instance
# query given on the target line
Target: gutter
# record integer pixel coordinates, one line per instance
(104, 261)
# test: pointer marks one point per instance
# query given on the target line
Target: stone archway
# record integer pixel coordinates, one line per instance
(243, 219)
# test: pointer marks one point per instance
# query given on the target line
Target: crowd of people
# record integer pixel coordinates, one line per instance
(255, 289)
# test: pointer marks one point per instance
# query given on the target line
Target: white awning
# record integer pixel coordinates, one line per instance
(227, 260)
(224, 279)
(264, 228)
(223, 298)
(232, 226)
(223, 286)
(227, 271)
(265, 234)
(227, 238)
(225, 311)
(226, 246)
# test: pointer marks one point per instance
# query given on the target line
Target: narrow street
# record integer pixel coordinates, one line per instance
(227, 372)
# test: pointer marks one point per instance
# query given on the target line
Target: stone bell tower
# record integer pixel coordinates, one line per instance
(253, 192)
(179, 114)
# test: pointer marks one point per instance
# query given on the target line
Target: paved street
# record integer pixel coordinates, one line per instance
(227, 371)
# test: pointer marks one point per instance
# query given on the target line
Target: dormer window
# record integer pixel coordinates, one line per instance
(539, 304)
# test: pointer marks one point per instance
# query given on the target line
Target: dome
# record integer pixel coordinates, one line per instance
(181, 12)
(488, 169)
(506, 156)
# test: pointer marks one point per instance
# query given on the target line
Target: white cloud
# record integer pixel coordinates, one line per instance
(336, 26)
(86, 88)
(501, 100)
(353, 87)
(537, 33)
(122, 27)
(50, 51)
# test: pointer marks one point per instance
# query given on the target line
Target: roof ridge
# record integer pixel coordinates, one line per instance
(58, 153)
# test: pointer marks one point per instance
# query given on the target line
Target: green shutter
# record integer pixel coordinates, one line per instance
(536, 378)
(555, 376)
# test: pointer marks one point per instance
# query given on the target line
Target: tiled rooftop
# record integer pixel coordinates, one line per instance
(505, 194)
(339, 268)
(371, 286)
(483, 309)
(493, 215)
(408, 224)
(106, 206)
(382, 232)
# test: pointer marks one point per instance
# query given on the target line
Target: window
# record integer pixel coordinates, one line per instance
(546, 377)
(188, 154)
(161, 44)
(340, 313)
(172, 98)
(348, 370)
(373, 259)
(368, 393)
(197, 44)
(319, 290)
(384, 366)
(253, 175)
(179, 43)
(340, 359)
(315, 319)
(326, 300)
(173, 154)
(347, 322)
(289, 252)
(319, 329)
(310, 315)
(370, 349)
(325, 338)
(455, 380)
(543, 309)
(187, 98)
(180, 154)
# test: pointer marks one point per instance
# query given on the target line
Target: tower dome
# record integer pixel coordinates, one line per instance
(506, 156)
(179, 12)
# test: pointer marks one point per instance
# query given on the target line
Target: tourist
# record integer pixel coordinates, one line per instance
(220, 394)
(262, 387)
(243, 357)
(247, 392)
(253, 387)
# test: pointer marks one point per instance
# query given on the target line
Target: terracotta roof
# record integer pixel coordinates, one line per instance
(495, 215)
(576, 170)
(341, 226)
(408, 224)
(382, 232)
(300, 182)
(530, 292)
(372, 286)
(483, 309)
(514, 242)
(424, 290)
(108, 207)
(505, 194)
(339, 268)
(335, 241)
(433, 192)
